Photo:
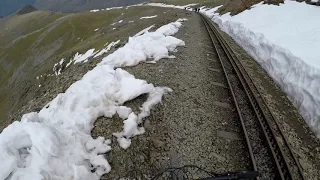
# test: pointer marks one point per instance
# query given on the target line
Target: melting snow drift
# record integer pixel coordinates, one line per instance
(56, 142)
(286, 44)
(148, 17)
(170, 6)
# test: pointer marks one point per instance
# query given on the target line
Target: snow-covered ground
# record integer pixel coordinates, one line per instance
(148, 17)
(285, 41)
(83, 58)
(120, 7)
(107, 9)
(170, 6)
(118, 22)
(94, 10)
(144, 31)
(105, 50)
(57, 68)
(56, 142)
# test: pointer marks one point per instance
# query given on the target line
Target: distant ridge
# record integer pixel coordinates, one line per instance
(82, 5)
(26, 9)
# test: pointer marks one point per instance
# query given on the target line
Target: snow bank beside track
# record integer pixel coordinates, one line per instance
(286, 44)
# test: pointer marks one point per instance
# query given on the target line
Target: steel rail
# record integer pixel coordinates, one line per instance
(253, 162)
(277, 153)
(259, 96)
(256, 96)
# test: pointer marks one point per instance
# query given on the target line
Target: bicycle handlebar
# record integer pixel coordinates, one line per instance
(238, 175)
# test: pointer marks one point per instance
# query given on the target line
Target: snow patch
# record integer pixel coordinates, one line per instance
(153, 45)
(105, 50)
(120, 7)
(77, 58)
(107, 9)
(123, 112)
(171, 6)
(118, 22)
(57, 68)
(210, 12)
(144, 31)
(141, 4)
(83, 57)
(130, 129)
(149, 17)
(170, 30)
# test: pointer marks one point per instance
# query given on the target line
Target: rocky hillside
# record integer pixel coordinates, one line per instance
(26, 9)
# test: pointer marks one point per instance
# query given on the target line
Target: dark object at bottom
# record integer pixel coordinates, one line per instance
(194, 172)
(238, 175)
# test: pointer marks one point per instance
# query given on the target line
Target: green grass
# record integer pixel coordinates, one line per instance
(37, 20)
(82, 25)
(25, 24)
(14, 55)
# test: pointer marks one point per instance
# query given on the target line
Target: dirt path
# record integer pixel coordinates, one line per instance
(73, 29)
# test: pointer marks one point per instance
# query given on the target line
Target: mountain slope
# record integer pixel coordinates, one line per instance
(8, 7)
(31, 44)
(26, 9)
(81, 5)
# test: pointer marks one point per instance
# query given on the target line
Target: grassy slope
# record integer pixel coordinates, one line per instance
(46, 37)
(25, 24)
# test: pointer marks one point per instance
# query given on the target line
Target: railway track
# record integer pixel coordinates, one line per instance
(269, 150)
